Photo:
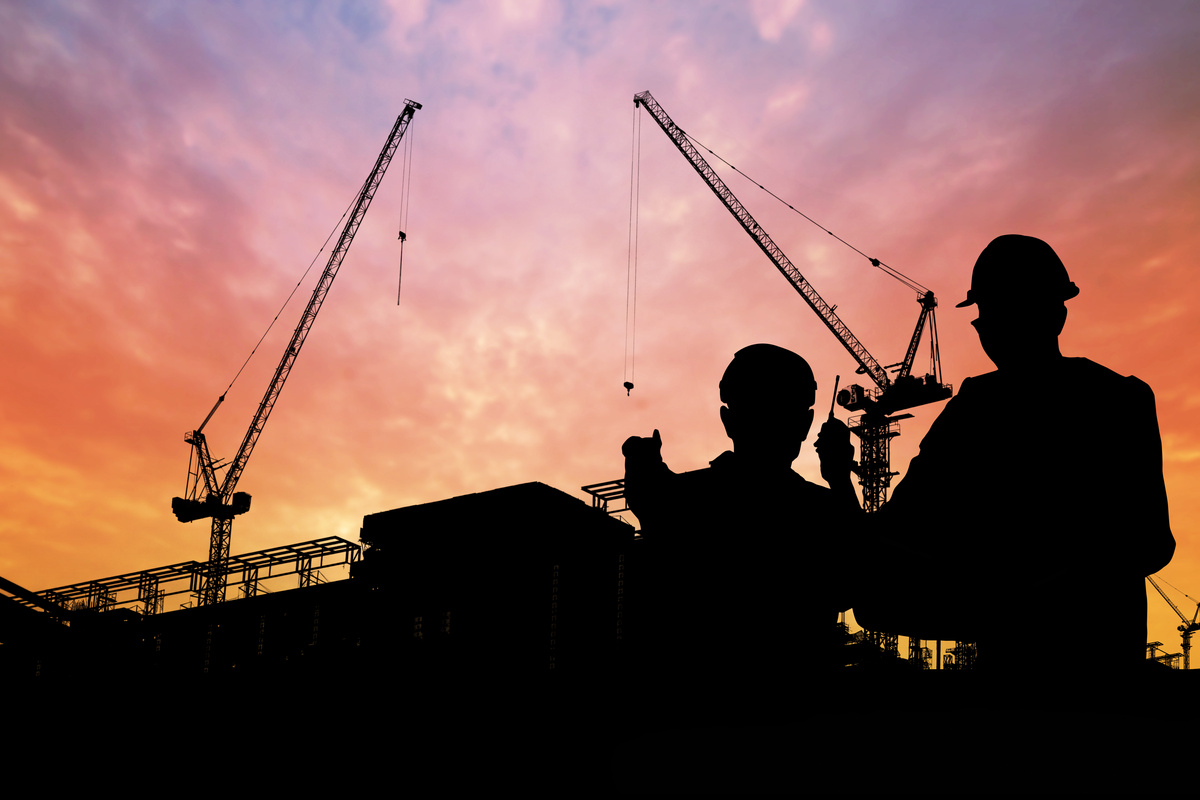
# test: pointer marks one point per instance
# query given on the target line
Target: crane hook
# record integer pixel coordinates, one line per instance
(628, 388)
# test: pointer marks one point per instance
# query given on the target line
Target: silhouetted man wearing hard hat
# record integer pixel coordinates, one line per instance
(742, 559)
(1036, 506)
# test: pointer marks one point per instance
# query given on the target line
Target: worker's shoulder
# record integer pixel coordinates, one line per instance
(697, 478)
(728, 470)
(1090, 376)
(815, 497)
(1090, 370)
(805, 491)
(708, 478)
(974, 392)
(1074, 370)
(978, 383)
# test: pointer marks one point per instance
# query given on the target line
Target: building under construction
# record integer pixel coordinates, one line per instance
(477, 639)
(479, 602)
(518, 580)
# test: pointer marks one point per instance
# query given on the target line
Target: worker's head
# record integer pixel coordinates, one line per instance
(1021, 287)
(768, 394)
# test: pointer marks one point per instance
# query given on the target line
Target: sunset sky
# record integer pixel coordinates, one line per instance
(168, 171)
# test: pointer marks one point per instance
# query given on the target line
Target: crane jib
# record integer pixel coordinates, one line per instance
(826, 313)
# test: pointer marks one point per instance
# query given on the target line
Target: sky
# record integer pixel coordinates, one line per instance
(169, 170)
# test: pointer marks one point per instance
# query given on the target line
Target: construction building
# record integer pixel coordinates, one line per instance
(517, 581)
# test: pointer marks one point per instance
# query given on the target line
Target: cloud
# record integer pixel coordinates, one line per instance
(772, 18)
(167, 173)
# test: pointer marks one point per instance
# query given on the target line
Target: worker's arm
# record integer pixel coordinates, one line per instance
(648, 481)
(837, 456)
(1144, 481)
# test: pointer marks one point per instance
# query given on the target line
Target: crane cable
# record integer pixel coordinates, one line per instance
(292, 294)
(904, 279)
(631, 265)
(405, 186)
(1161, 579)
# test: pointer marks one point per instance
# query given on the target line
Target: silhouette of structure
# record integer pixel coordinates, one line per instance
(1012, 513)
(1188, 627)
(206, 494)
(1155, 654)
(128, 631)
(31, 626)
(524, 580)
(877, 426)
(475, 642)
(515, 581)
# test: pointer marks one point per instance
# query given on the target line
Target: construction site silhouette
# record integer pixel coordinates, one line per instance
(521, 637)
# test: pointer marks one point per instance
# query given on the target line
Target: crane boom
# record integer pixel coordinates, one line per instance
(318, 297)
(223, 503)
(856, 349)
(1174, 607)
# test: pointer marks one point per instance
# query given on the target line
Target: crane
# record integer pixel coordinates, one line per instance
(206, 494)
(1186, 629)
(877, 425)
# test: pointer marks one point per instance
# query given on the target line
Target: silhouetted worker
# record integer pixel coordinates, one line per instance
(1036, 506)
(744, 556)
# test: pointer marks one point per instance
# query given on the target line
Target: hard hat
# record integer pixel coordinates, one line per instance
(1015, 266)
(768, 371)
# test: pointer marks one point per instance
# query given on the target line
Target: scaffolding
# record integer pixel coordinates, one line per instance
(1154, 652)
(146, 591)
(608, 492)
(961, 657)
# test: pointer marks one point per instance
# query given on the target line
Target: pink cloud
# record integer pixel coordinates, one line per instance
(166, 177)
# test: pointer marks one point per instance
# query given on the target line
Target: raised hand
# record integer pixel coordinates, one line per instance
(835, 451)
(642, 450)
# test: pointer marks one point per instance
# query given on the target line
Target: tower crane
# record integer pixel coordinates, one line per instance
(206, 494)
(1188, 627)
(877, 425)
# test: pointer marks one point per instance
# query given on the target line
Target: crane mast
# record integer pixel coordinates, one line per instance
(208, 496)
(875, 428)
